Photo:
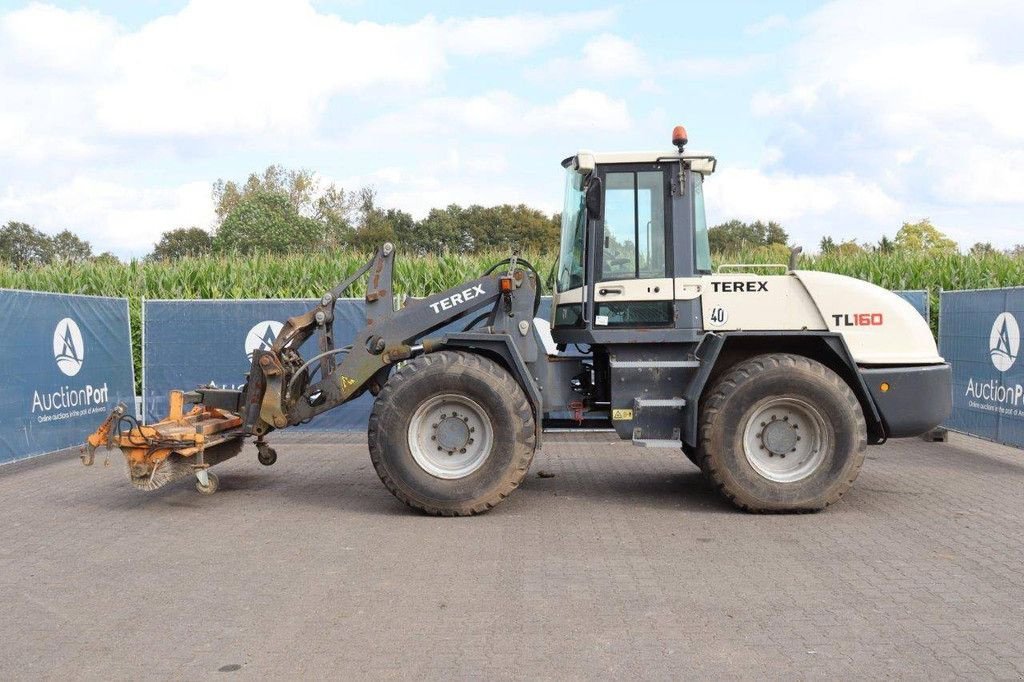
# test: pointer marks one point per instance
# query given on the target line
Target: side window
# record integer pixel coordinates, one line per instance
(619, 259)
(650, 201)
(634, 226)
(702, 246)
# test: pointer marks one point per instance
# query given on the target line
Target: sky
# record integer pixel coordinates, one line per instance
(842, 118)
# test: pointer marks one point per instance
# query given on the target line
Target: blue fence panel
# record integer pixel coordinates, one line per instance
(66, 361)
(918, 299)
(190, 343)
(979, 335)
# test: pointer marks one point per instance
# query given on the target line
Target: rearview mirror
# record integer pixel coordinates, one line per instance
(594, 197)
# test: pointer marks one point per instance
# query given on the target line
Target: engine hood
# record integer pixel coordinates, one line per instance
(879, 327)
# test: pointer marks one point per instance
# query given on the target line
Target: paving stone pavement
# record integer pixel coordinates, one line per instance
(623, 564)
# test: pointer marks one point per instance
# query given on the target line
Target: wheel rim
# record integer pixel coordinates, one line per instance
(450, 436)
(785, 439)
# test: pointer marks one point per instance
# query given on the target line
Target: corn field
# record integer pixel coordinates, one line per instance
(308, 276)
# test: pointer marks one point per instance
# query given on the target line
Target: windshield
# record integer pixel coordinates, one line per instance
(702, 255)
(570, 255)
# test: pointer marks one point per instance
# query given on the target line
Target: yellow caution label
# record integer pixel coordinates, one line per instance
(346, 383)
(622, 415)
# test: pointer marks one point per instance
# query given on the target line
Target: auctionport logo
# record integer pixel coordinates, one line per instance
(67, 402)
(1004, 341)
(995, 395)
(261, 337)
(68, 347)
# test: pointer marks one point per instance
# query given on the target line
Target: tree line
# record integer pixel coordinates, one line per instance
(281, 211)
(23, 245)
(736, 236)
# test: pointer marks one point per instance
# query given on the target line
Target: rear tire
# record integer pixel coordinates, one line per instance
(451, 434)
(782, 433)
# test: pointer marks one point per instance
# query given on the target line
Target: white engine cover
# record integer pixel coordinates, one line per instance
(879, 327)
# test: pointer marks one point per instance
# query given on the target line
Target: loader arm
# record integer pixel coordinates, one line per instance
(281, 390)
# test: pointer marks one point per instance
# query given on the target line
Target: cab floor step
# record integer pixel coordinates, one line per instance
(658, 402)
(658, 443)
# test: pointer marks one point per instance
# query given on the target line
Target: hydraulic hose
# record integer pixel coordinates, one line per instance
(302, 370)
(536, 275)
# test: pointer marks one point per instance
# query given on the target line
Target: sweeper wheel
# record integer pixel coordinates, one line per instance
(266, 455)
(211, 488)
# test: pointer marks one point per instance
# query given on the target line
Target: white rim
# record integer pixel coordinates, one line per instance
(450, 436)
(785, 439)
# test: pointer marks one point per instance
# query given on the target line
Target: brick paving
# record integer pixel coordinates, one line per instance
(624, 564)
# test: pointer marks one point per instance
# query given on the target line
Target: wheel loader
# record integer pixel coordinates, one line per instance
(772, 381)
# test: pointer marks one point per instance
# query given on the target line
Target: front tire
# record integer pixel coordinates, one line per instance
(451, 434)
(780, 433)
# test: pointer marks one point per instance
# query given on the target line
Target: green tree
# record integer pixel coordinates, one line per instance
(923, 236)
(982, 249)
(21, 245)
(444, 229)
(476, 228)
(181, 243)
(827, 245)
(327, 205)
(508, 227)
(266, 222)
(848, 248)
(299, 186)
(736, 235)
(885, 245)
(106, 258)
(375, 225)
(69, 247)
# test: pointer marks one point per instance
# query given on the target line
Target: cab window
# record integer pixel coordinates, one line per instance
(570, 256)
(702, 250)
(634, 226)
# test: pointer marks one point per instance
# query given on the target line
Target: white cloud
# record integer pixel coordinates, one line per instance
(517, 35)
(87, 102)
(46, 38)
(921, 101)
(718, 67)
(604, 57)
(613, 57)
(809, 206)
(114, 216)
(934, 78)
(237, 68)
(464, 175)
(770, 23)
(503, 114)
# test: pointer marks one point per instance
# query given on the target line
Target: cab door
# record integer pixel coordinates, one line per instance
(633, 285)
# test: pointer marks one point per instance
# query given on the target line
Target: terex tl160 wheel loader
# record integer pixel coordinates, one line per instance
(772, 384)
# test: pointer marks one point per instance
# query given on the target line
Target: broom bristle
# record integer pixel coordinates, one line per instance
(176, 467)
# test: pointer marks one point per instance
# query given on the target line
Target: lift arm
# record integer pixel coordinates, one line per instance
(281, 390)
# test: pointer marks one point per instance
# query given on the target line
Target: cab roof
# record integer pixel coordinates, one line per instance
(585, 160)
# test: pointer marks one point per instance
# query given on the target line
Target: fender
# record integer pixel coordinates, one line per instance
(710, 348)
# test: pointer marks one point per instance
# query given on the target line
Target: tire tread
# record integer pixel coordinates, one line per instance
(732, 381)
(525, 443)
